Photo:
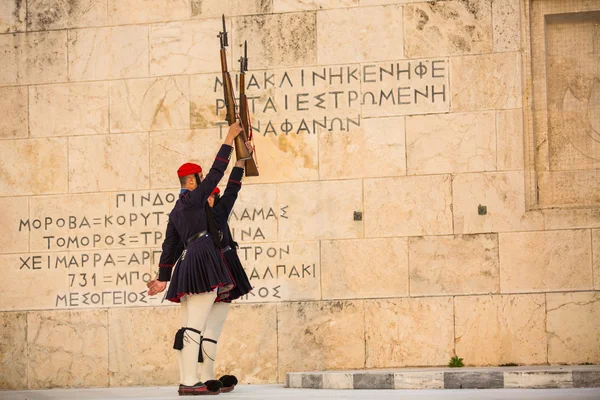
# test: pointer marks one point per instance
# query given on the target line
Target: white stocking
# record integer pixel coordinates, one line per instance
(214, 326)
(198, 307)
(183, 313)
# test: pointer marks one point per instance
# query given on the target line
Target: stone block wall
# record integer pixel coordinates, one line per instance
(412, 113)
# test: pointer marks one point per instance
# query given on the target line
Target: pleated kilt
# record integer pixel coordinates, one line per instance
(200, 269)
(242, 284)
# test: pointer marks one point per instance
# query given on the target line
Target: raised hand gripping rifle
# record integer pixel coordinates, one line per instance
(244, 149)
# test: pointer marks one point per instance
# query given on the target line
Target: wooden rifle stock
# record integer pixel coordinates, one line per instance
(241, 151)
(251, 167)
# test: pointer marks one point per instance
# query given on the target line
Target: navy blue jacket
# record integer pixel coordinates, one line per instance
(188, 216)
(223, 208)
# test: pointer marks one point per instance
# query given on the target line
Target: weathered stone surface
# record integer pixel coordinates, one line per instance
(149, 104)
(278, 40)
(286, 159)
(586, 379)
(214, 9)
(108, 53)
(282, 271)
(571, 218)
(374, 380)
(596, 255)
(140, 348)
(405, 87)
(364, 268)
(375, 149)
(121, 12)
(309, 336)
(35, 273)
(486, 82)
(312, 381)
(67, 348)
(503, 194)
(545, 261)
(473, 380)
(33, 58)
(570, 76)
(13, 210)
(568, 81)
(49, 216)
(13, 351)
(420, 380)
(537, 380)
(506, 16)
(250, 333)
(332, 380)
(294, 380)
(61, 14)
(448, 28)
(465, 264)
(12, 16)
(47, 157)
(573, 323)
(13, 100)
(445, 143)
(68, 109)
(360, 34)
(327, 216)
(494, 330)
(409, 206)
(186, 47)
(509, 130)
(307, 5)
(569, 188)
(364, 3)
(105, 158)
(401, 332)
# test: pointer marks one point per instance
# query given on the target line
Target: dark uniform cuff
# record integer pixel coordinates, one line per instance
(224, 153)
(164, 273)
(236, 174)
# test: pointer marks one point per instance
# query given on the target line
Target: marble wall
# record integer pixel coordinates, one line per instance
(382, 128)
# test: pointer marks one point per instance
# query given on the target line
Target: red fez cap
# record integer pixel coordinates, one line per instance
(216, 191)
(188, 169)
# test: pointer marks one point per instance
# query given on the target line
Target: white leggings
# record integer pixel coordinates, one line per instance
(194, 313)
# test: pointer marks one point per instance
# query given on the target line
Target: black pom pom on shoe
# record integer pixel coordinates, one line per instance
(229, 382)
(214, 385)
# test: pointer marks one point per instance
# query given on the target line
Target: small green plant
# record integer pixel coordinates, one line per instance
(509, 365)
(456, 362)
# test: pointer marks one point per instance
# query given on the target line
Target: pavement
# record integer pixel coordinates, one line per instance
(280, 392)
(524, 377)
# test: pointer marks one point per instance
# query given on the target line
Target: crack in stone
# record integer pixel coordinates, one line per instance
(577, 303)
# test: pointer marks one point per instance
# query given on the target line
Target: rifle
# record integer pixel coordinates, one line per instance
(241, 150)
(251, 167)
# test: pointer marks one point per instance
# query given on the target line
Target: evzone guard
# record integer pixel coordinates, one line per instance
(200, 273)
(218, 214)
(220, 208)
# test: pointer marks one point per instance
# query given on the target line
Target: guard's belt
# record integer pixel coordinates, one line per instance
(196, 236)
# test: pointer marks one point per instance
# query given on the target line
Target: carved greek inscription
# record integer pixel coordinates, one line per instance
(306, 100)
(106, 259)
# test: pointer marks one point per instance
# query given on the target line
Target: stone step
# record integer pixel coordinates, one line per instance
(538, 377)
